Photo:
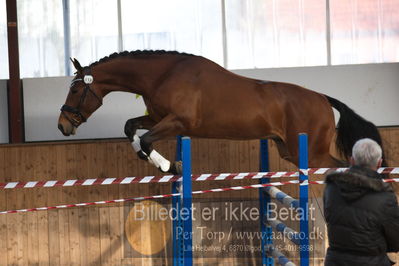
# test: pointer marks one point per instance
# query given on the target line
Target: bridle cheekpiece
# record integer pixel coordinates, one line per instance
(87, 80)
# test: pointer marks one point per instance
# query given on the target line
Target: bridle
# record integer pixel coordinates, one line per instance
(87, 80)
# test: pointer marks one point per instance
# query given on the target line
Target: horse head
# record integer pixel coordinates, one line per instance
(83, 99)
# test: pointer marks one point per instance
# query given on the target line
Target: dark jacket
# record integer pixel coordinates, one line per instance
(362, 216)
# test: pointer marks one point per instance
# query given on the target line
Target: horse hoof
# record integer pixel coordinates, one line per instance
(176, 168)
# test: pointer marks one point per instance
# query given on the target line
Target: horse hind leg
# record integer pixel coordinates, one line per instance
(319, 153)
(320, 156)
(283, 151)
(325, 160)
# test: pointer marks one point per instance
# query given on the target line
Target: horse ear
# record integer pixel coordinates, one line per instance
(76, 64)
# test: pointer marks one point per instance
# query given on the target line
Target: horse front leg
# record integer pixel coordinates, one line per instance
(131, 126)
(168, 127)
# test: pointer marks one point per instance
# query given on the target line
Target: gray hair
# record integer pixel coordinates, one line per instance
(366, 153)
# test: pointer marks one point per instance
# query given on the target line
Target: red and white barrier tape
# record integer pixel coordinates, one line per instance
(382, 170)
(152, 197)
(172, 178)
(144, 179)
(390, 180)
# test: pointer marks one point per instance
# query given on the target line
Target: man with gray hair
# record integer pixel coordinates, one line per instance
(361, 211)
(367, 153)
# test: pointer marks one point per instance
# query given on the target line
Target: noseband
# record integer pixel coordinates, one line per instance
(87, 79)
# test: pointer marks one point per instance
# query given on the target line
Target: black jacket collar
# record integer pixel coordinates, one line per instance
(357, 181)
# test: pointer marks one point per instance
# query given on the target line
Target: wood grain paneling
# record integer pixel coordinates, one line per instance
(95, 235)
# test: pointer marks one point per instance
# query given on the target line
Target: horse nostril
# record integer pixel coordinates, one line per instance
(61, 128)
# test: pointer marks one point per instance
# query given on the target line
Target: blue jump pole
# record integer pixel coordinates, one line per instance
(186, 213)
(177, 229)
(304, 199)
(264, 200)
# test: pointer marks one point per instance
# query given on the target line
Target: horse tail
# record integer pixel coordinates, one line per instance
(352, 127)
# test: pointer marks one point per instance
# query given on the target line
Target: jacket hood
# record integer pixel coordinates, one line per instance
(357, 181)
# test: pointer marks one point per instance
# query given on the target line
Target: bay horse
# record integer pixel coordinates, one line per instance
(192, 96)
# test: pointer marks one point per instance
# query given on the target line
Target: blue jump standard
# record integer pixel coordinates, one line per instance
(182, 226)
(187, 203)
(302, 238)
(304, 199)
(177, 230)
(182, 243)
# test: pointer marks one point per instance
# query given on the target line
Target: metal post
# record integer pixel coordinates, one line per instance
(328, 32)
(304, 199)
(264, 200)
(67, 36)
(224, 35)
(187, 203)
(177, 229)
(120, 31)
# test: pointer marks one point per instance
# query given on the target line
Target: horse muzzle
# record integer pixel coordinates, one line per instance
(66, 127)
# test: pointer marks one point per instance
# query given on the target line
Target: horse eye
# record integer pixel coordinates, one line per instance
(74, 91)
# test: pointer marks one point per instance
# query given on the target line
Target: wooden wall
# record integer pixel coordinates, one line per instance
(96, 235)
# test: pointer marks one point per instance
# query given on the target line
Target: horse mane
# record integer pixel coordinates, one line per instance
(136, 53)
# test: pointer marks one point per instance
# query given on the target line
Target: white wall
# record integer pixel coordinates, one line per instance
(371, 90)
(3, 112)
(43, 98)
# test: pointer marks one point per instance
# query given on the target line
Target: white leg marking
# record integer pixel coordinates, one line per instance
(159, 161)
(155, 158)
(136, 143)
(137, 147)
